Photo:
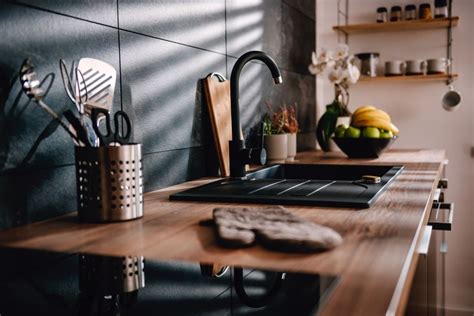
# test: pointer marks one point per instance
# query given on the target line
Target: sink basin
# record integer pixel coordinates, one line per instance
(299, 184)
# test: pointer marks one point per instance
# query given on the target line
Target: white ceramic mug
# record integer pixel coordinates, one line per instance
(438, 65)
(395, 67)
(416, 67)
(451, 99)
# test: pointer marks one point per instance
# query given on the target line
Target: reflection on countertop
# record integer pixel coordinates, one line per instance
(46, 283)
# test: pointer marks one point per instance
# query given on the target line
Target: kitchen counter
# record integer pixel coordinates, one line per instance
(376, 262)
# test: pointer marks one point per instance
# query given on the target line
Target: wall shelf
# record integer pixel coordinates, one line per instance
(437, 77)
(397, 26)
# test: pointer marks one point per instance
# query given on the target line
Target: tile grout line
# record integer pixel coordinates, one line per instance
(112, 27)
(120, 59)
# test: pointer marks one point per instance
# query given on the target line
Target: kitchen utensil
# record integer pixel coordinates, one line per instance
(218, 104)
(438, 65)
(382, 15)
(79, 129)
(99, 81)
(416, 67)
(368, 63)
(395, 68)
(79, 97)
(451, 99)
(121, 131)
(364, 147)
(31, 87)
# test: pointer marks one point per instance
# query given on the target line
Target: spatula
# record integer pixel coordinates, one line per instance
(99, 82)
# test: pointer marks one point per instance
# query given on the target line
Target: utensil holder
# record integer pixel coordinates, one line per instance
(109, 182)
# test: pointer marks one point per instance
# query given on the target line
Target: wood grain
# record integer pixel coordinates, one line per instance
(412, 25)
(376, 260)
(218, 104)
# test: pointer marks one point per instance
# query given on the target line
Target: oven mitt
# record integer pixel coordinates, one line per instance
(273, 228)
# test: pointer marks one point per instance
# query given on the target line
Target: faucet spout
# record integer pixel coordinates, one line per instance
(239, 155)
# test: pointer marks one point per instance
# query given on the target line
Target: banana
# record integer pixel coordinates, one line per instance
(363, 108)
(371, 114)
(394, 129)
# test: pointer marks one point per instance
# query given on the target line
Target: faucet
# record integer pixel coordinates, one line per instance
(238, 154)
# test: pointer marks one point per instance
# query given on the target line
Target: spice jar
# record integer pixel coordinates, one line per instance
(410, 12)
(396, 13)
(425, 11)
(441, 9)
(382, 15)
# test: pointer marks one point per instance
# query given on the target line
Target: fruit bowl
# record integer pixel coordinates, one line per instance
(363, 147)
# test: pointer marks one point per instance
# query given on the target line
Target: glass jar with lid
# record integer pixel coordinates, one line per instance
(396, 13)
(425, 11)
(382, 15)
(441, 9)
(410, 12)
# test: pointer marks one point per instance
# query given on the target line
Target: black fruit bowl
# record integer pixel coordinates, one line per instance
(363, 147)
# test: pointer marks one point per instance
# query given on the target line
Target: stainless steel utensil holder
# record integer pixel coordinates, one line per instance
(109, 183)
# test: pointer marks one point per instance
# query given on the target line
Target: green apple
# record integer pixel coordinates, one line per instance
(386, 134)
(371, 132)
(352, 132)
(340, 130)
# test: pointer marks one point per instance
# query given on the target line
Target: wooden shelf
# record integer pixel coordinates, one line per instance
(440, 77)
(397, 26)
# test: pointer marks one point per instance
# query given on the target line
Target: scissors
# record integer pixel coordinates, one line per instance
(122, 127)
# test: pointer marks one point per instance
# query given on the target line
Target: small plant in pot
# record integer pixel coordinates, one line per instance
(291, 127)
(275, 139)
(279, 130)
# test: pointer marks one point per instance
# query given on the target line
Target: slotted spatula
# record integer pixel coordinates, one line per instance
(98, 84)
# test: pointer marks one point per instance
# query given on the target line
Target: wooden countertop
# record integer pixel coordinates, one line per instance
(376, 262)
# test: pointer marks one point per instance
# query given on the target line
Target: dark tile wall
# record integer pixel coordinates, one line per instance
(161, 49)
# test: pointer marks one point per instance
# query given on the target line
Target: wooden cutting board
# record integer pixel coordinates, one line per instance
(218, 103)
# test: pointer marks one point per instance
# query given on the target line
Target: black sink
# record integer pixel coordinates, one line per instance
(298, 184)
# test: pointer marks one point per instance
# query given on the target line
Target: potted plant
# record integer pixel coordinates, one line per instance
(275, 139)
(341, 71)
(291, 127)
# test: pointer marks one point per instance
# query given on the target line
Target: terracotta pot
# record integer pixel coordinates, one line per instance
(291, 147)
(276, 147)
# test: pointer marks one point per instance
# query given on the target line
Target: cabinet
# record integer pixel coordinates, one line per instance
(427, 295)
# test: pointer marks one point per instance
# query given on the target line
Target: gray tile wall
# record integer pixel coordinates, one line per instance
(161, 49)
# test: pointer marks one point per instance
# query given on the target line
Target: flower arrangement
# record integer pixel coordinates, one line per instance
(282, 121)
(341, 72)
(341, 64)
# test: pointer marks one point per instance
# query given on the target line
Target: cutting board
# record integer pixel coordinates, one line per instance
(218, 103)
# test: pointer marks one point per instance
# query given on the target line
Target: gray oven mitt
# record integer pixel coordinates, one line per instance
(274, 228)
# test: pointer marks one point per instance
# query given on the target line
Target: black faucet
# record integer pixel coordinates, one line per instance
(239, 155)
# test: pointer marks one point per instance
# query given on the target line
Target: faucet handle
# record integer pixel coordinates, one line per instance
(254, 156)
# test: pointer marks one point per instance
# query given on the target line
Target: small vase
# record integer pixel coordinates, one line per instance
(276, 147)
(291, 147)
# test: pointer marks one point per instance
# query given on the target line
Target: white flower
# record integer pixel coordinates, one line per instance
(342, 51)
(337, 75)
(353, 73)
(316, 69)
